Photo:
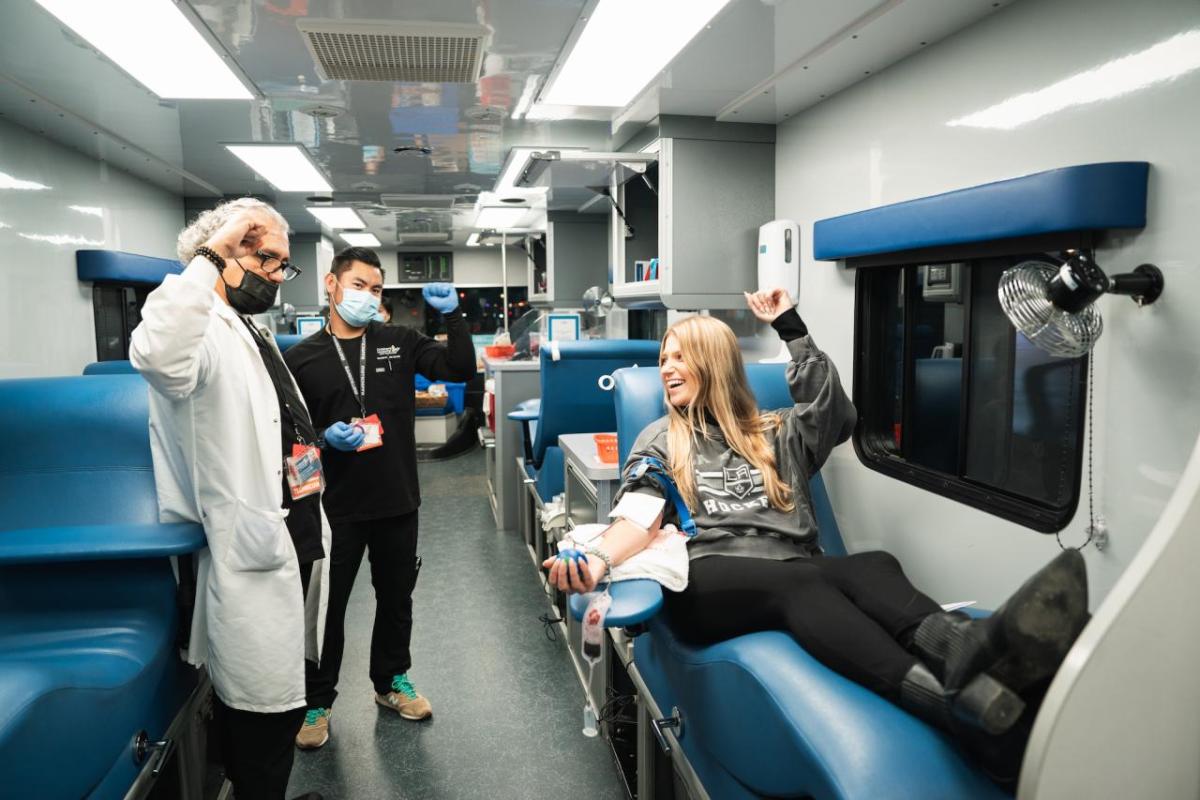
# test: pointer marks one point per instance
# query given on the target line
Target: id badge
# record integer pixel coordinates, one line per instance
(304, 471)
(372, 430)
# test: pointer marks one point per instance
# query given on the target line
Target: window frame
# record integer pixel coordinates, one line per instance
(869, 293)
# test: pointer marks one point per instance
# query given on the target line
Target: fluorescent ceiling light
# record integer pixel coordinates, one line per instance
(472, 240)
(337, 217)
(500, 219)
(361, 239)
(596, 74)
(527, 95)
(1164, 61)
(9, 182)
(154, 42)
(59, 238)
(89, 210)
(546, 111)
(287, 167)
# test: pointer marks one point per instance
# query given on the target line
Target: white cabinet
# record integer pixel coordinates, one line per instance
(570, 257)
(684, 210)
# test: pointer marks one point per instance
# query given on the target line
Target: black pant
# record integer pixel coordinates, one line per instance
(257, 749)
(854, 614)
(391, 545)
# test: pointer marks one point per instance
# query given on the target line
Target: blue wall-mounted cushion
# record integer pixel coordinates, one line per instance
(1087, 197)
(110, 266)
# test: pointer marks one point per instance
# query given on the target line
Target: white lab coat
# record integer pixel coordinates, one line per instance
(215, 440)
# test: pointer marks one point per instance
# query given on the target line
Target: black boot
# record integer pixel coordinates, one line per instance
(968, 718)
(1023, 643)
(983, 704)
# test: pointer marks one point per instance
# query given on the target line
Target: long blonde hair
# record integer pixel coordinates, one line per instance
(714, 360)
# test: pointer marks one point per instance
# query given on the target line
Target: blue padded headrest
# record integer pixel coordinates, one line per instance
(110, 368)
(286, 340)
(77, 451)
(572, 401)
(111, 266)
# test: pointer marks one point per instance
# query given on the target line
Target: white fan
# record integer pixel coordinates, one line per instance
(1054, 305)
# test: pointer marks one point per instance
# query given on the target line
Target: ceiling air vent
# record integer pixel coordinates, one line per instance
(382, 50)
(431, 237)
(402, 201)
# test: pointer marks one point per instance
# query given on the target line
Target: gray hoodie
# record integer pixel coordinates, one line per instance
(734, 517)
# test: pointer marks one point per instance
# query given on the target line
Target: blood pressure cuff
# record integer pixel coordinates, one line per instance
(641, 507)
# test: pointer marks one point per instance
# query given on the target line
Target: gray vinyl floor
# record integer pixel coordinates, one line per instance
(507, 703)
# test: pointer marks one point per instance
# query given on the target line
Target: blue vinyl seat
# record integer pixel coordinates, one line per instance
(88, 598)
(122, 367)
(573, 402)
(761, 717)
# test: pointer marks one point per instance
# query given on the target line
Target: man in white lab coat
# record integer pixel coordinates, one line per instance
(234, 450)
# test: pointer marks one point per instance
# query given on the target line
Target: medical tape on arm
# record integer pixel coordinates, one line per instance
(657, 471)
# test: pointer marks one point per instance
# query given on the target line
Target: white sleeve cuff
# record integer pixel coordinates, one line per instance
(201, 272)
(640, 508)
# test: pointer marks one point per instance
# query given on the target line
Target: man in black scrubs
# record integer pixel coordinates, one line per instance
(357, 379)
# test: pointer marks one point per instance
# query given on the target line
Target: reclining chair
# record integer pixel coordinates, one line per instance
(756, 715)
(89, 616)
(571, 402)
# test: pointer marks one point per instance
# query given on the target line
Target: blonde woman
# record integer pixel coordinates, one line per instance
(756, 563)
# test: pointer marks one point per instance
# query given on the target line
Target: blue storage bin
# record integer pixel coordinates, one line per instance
(457, 393)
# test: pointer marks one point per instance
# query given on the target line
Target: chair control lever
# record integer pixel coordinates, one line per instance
(161, 751)
(674, 722)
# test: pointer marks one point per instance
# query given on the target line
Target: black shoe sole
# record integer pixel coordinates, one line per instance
(1040, 622)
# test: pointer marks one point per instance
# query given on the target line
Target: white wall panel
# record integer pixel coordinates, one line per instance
(887, 140)
(46, 321)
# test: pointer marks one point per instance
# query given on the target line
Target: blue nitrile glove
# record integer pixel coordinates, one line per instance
(343, 436)
(442, 296)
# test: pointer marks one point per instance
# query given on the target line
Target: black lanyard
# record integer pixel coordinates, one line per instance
(268, 357)
(360, 394)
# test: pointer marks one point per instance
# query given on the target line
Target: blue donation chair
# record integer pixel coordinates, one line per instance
(89, 609)
(760, 716)
(573, 402)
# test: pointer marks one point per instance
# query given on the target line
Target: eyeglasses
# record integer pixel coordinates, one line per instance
(290, 270)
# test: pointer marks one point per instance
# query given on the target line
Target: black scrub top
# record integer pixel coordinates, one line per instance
(381, 482)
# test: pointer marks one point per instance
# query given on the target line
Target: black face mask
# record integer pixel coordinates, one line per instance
(255, 294)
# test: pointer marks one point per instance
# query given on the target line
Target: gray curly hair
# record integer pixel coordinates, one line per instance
(205, 225)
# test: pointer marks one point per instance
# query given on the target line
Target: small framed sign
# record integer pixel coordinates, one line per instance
(307, 326)
(563, 327)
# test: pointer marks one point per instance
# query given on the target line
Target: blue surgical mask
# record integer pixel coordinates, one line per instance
(357, 307)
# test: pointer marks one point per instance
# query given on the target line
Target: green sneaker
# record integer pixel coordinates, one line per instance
(314, 732)
(404, 700)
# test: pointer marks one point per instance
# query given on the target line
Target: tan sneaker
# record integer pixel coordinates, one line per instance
(404, 700)
(314, 732)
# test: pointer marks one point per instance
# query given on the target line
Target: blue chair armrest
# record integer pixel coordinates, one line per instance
(526, 411)
(633, 602)
(99, 542)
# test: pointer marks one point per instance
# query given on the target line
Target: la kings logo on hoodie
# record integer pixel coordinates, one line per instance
(737, 488)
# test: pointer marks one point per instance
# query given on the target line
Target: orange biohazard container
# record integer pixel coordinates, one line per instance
(606, 447)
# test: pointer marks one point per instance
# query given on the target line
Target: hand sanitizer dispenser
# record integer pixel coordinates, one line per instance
(779, 265)
(779, 257)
